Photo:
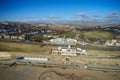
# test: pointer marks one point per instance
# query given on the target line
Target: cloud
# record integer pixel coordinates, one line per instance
(81, 18)
(53, 17)
(37, 21)
(96, 15)
(83, 15)
(30, 17)
(114, 13)
(112, 17)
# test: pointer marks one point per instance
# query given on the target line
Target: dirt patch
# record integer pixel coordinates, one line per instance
(54, 75)
(24, 72)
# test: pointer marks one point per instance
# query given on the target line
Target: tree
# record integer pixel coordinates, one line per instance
(37, 38)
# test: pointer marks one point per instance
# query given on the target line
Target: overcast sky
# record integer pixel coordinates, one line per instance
(61, 11)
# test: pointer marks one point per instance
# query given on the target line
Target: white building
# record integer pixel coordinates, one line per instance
(70, 51)
(63, 41)
(35, 59)
(112, 42)
(32, 59)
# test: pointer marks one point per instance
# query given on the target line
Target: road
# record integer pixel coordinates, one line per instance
(103, 67)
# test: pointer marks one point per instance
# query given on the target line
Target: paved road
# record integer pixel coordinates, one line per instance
(103, 67)
(82, 66)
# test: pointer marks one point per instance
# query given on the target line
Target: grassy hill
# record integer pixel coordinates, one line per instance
(67, 34)
(105, 35)
(99, 34)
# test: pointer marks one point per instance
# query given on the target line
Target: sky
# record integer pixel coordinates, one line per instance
(61, 11)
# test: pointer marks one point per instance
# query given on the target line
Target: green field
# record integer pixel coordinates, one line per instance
(67, 34)
(105, 35)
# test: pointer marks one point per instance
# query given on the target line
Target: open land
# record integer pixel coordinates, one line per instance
(19, 72)
(58, 68)
(38, 72)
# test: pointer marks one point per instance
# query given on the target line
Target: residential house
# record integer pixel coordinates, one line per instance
(112, 42)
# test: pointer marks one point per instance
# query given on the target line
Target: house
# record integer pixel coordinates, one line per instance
(112, 42)
(17, 37)
(70, 51)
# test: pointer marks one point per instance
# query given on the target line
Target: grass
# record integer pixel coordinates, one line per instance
(67, 34)
(101, 61)
(15, 47)
(91, 51)
(105, 35)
